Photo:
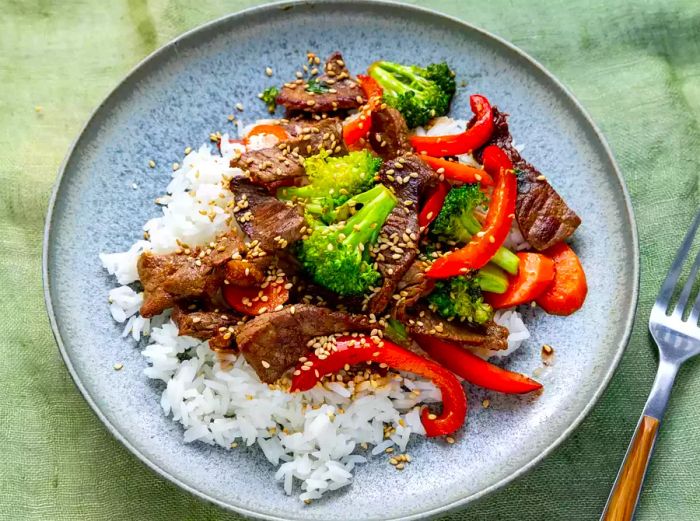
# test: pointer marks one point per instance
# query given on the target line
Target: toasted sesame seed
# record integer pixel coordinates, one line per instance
(268, 71)
(432, 416)
(450, 440)
(400, 466)
(541, 178)
(265, 364)
(547, 349)
(176, 166)
(152, 163)
(239, 107)
(486, 403)
(118, 367)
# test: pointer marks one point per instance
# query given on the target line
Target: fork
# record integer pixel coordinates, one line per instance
(678, 339)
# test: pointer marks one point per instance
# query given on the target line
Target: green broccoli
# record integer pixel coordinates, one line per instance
(457, 221)
(460, 298)
(337, 255)
(332, 181)
(269, 97)
(420, 94)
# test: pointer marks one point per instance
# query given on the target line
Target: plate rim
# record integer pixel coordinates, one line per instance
(284, 5)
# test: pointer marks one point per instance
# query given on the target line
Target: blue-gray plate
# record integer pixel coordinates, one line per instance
(184, 91)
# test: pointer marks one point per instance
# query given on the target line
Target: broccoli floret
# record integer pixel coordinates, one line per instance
(457, 221)
(460, 298)
(269, 97)
(332, 181)
(337, 255)
(420, 94)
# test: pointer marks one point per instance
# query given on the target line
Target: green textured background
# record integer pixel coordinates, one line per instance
(635, 66)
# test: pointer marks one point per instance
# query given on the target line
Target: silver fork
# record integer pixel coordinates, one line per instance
(677, 340)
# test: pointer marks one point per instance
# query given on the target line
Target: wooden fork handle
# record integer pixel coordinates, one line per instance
(623, 498)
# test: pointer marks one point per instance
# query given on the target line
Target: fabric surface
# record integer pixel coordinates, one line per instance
(634, 65)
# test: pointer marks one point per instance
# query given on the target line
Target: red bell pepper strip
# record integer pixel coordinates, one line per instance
(535, 275)
(433, 204)
(475, 370)
(254, 300)
(458, 172)
(274, 130)
(484, 245)
(357, 127)
(568, 291)
(471, 139)
(355, 350)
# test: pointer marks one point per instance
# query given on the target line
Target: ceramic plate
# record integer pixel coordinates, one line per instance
(184, 91)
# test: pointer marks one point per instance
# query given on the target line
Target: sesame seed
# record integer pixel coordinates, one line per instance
(492, 239)
(477, 177)
(231, 117)
(311, 103)
(265, 364)
(400, 466)
(450, 440)
(239, 107)
(176, 166)
(38, 109)
(188, 150)
(152, 163)
(541, 178)
(268, 71)
(486, 403)
(432, 416)
(547, 349)
(118, 367)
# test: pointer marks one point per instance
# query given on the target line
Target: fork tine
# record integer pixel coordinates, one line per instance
(687, 288)
(675, 271)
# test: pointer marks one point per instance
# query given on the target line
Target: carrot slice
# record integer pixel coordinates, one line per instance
(459, 172)
(255, 300)
(274, 130)
(569, 289)
(535, 275)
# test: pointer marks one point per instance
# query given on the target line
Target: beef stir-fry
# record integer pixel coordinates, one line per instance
(356, 236)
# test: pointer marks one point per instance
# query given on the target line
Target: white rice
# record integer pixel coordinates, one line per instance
(315, 438)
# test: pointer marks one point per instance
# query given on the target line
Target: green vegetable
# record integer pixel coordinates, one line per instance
(337, 255)
(332, 182)
(395, 331)
(269, 97)
(457, 221)
(314, 86)
(492, 278)
(460, 298)
(420, 94)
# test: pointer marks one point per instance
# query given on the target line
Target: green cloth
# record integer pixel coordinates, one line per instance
(635, 66)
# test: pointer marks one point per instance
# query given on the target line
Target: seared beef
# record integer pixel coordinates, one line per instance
(424, 322)
(217, 327)
(543, 216)
(281, 165)
(389, 134)
(273, 342)
(273, 223)
(408, 177)
(413, 286)
(169, 277)
(338, 90)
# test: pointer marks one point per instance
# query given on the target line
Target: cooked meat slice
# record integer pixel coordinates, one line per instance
(542, 215)
(413, 286)
(389, 135)
(337, 90)
(203, 324)
(408, 177)
(169, 277)
(273, 223)
(273, 342)
(424, 322)
(282, 164)
(270, 167)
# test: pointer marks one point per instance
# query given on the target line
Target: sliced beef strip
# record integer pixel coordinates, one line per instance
(408, 177)
(389, 134)
(413, 286)
(422, 321)
(282, 164)
(341, 91)
(217, 327)
(273, 342)
(542, 215)
(273, 223)
(167, 278)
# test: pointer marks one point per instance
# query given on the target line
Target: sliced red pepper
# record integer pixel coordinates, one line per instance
(499, 219)
(476, 370)
(458, 172)
(255, 300)
(358, 127)
(535, 275)
(355, 350)
(273, 130)
(471, 139)
(433, 204)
